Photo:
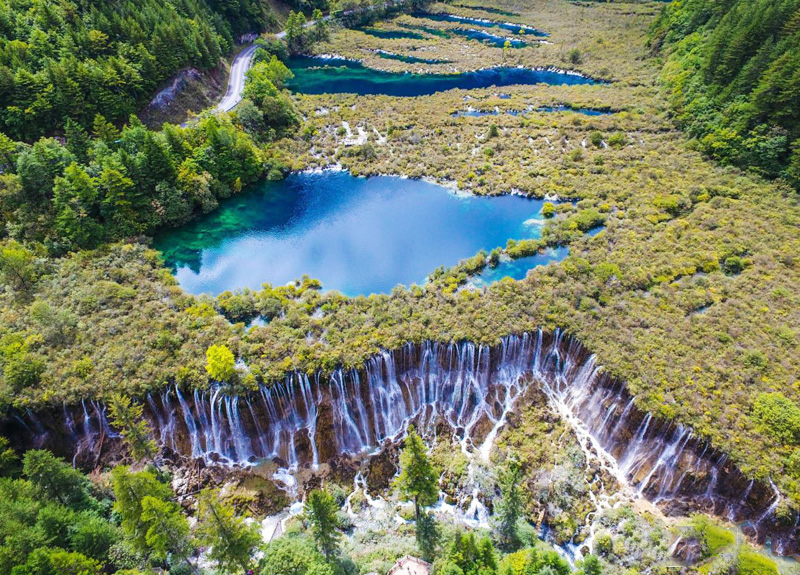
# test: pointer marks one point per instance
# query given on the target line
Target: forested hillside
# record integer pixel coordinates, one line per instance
(733, 68)
(75, 59)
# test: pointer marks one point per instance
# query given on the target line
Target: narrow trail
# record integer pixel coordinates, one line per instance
(238, 74)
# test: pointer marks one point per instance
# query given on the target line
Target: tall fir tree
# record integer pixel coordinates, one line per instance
(418, 482)
(321, 512)
(128, 417)
(509, 509)
(230, 540)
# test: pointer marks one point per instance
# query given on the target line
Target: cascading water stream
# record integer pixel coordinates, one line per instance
(304, 421)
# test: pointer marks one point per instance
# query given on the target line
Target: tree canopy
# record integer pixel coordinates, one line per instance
(734, 72)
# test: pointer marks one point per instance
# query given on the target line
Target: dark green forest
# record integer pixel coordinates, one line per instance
(63, 59)
(733, 68)
(105, 183)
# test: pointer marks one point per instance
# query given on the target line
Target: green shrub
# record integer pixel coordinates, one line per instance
(752, 563)
(778, 417)
(714, 536)
(221, 365)
(617, 140)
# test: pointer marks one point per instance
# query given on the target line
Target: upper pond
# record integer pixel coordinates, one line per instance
(510, 26)
(356, 235)
(325, 76)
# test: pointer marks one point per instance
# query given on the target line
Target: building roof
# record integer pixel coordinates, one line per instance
(410, 566)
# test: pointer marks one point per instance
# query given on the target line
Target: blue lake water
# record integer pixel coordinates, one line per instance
(519, 268)
(356, 235)
(489, 38)
(473, 113)
(509, 26)
(325, 76)
(409, 59)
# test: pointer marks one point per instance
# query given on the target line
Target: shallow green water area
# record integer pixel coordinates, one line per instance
(408, 59)
(315, 75)
(438, 32)
(489, 38)
(391, 34)
(356, 235)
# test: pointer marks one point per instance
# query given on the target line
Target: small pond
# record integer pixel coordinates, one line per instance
(356, 235)
(438, 32)
(331, 75)
(391, 34)
(509, 26)
(475, 113)
(519, 268)
(408, 59)
(489, 38)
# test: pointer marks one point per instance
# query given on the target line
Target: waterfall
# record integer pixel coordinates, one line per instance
(304, 421)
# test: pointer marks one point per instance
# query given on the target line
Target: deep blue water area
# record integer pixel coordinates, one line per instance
(508, 26)
(356, 235)
(519, 268)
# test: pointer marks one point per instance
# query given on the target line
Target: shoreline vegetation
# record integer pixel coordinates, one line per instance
(689, 294)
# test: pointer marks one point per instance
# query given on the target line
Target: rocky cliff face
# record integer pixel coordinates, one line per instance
(303, 421)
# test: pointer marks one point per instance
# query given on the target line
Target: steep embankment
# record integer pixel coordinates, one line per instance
(304, 421)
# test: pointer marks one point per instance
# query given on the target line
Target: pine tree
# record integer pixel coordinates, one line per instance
(418, 481)
(167, 530)
(130, 489)
(229, 538)
(134, 428)
(509, 509)
(428, 535)
(321, 512)
(320, 26)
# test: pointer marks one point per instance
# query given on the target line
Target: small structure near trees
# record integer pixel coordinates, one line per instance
(410, 566)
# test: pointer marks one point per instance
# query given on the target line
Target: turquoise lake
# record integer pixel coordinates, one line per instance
(329, 75)
(519, 268)
(474, 113)
(356, 235)
(485, 23)
(408, 59)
